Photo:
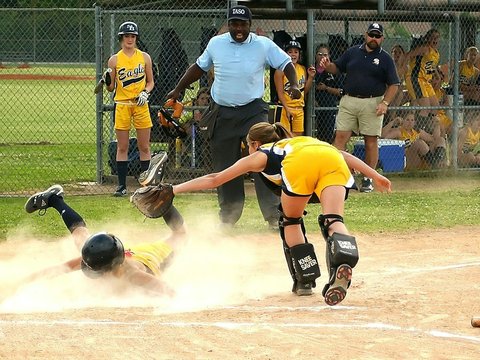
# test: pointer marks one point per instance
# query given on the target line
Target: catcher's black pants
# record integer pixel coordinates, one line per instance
(230, 129)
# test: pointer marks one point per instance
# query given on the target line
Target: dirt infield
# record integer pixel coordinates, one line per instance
(412, 298)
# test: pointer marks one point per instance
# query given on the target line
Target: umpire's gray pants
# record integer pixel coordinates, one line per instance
(231, 128)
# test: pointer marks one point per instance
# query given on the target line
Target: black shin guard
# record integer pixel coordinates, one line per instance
(301, 259)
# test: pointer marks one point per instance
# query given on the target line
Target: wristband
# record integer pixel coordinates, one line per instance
(385, 102)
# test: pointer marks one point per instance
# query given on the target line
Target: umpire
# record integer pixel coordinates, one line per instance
(371, 83)
(238, 58)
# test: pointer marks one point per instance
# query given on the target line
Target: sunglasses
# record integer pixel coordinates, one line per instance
(375, 36)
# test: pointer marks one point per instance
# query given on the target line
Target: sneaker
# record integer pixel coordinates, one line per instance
(336, 292)
(154, 173)
(367, 185)
(121, 191)
(39, 201)
(303, 289)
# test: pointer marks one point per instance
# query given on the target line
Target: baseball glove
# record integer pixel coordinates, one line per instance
(153, 201)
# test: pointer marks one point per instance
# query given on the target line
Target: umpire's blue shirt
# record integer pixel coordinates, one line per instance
(368, 73)
(239, 68)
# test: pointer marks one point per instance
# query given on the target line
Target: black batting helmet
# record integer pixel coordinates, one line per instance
(293, 44)
(101, 253)
(128, 27)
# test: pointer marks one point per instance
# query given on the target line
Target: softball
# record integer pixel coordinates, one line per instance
(476, 321)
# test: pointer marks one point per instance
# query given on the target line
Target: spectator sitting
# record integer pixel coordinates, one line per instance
(416, 146)
(469, 141)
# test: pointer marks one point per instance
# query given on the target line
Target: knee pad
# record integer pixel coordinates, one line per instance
(341, 249)
(301, 259)
(325, 221)
(305, 263)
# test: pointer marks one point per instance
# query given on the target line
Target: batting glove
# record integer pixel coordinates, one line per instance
(106, 78)
(142, 98)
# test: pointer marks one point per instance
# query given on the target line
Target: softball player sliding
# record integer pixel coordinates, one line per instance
(103, 253)
(132, 72)
(301, 168)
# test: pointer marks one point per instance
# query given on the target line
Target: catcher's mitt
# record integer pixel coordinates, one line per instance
(153, 201)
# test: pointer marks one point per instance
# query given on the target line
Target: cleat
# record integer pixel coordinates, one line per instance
(154, 173)
(39, 201)
(367, 185)
(121, 191)
(336, 292)
(303, 289)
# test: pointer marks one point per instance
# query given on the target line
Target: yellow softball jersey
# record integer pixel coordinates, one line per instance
(152, 255)
(423, 66)
(467, 73)
(471, 140)
(302, 79)
(130, 76)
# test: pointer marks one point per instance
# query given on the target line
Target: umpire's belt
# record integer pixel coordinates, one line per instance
(363, 96)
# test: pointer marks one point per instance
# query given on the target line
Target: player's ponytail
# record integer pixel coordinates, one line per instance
(267, 133)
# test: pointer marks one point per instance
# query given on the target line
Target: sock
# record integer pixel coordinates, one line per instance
(122, 169)
(144, 164)
(70, 217)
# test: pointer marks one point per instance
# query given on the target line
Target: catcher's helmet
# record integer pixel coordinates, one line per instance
(101, 253)
(128, 27)
(293, 44)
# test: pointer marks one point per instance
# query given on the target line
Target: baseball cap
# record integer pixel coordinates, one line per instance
(239, 12)
(293, 44)
(375, 27)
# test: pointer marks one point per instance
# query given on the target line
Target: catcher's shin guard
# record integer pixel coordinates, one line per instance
(301, 259)
(341, 257)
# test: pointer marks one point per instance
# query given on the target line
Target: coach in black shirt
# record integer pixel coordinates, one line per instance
(371, 83)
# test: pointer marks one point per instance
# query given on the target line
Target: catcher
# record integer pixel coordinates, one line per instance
(103, 254)
(281, 161)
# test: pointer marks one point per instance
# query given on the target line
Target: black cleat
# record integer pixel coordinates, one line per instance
(336, 292)
(154, 173)
(39, 201)
(121, 191)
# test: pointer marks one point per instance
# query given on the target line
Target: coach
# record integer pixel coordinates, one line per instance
(371, 83)
(238, 58)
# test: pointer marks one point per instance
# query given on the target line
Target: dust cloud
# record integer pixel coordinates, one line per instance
(211, 269)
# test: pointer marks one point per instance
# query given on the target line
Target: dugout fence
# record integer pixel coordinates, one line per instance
(56, 131)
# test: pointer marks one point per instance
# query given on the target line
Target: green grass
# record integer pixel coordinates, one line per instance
(445, 204)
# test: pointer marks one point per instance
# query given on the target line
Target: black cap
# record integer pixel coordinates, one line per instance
(293, 44)
(239, 12)
(375, 27)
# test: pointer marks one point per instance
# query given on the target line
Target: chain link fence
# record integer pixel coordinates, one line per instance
(56, 131)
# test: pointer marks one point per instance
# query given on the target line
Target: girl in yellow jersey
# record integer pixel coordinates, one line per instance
(469, 141)
(103, 254)
(301, 168)
(132, 76)
(416, 142)
(468, 77)
(443, 100)
(424, 58)
(292, 114)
